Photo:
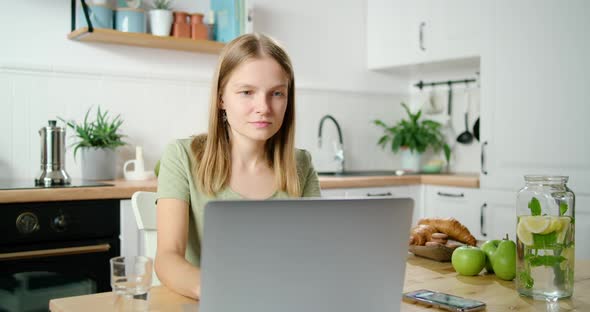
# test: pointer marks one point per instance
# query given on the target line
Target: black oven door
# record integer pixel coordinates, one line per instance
(30, 278)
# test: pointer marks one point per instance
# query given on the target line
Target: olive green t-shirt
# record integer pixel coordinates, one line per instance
(175, 180)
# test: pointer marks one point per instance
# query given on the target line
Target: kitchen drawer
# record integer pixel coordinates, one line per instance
(459, 203)
(395, 191)
(333, 193)
(413, 191)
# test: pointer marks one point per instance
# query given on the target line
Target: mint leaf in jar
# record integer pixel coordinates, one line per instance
(562, 208)
(549, 261)
(535, 207)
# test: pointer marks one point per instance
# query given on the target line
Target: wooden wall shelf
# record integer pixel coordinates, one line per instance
(145, 40)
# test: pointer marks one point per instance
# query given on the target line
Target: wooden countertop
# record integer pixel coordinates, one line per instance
(420, 274)
(459, 180)
(123, 189)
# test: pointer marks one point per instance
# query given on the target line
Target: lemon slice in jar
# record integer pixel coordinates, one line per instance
(554, 226)
(564, 228)
(524, 235)
(536, 224)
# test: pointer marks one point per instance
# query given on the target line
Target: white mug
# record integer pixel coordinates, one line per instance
(138, 172)
(138, 168)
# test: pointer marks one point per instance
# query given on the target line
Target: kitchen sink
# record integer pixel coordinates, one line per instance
(360, 173)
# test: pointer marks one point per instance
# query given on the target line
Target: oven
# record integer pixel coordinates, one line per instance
(55, 249)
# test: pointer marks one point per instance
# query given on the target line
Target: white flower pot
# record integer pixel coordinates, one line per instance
(160, 22)
(410, 160)
(98, 163)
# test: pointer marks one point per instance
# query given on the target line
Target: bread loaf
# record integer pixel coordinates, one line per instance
(421, 234)
(450, 226)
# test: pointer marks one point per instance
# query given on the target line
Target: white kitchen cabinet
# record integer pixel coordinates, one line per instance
(130, 242)
(582, 227)
(335, 192)
(497, 213)
(408, 191)
(534, 95)
(402, 33)
(460, 203)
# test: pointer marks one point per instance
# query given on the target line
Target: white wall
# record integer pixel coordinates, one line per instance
(163, 94)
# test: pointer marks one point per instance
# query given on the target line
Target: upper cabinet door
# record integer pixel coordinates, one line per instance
(406, 33)
(393, 33)
(535, 93)
(453, 29)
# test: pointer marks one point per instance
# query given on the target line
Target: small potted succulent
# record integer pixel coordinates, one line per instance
(413, 137)
(97, 141)
(161, 18)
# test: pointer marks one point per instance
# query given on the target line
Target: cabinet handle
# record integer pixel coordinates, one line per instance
(483, 162)
(55, 252)
(450, 194)
(481, 220)
(422, 25)
(379, 194)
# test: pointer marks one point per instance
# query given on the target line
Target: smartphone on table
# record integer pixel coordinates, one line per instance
(443, 301)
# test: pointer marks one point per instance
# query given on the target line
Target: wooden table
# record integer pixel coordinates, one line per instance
(420, 273)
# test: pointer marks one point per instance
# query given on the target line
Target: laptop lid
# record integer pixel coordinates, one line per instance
(304, 255)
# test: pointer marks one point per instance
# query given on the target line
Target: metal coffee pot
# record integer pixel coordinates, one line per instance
(53, 150)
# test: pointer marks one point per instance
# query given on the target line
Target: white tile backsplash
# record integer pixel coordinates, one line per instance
(6, 122)
(156, 111)
(21, 117)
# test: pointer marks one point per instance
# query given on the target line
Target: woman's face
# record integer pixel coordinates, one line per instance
(255, 99)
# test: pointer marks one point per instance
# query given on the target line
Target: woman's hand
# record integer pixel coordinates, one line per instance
(171, 266)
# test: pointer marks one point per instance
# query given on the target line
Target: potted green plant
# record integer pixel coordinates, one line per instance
(97, 141)
(413, 136)
(161, 18)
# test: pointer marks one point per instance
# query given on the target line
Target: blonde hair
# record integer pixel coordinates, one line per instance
(212, 167)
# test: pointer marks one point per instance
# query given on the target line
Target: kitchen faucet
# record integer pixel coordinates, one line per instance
(339, 157)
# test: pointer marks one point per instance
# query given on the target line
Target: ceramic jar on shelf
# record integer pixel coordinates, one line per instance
(199, 30)
(181, 28)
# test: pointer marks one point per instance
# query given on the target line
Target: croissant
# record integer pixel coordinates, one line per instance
(453, 228)
(421, 234)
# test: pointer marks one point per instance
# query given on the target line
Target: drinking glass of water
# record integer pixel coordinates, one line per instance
(131, 279)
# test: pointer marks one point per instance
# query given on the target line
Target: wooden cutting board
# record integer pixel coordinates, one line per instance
(440, 253)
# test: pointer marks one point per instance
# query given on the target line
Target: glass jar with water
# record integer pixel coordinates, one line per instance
(545, 238)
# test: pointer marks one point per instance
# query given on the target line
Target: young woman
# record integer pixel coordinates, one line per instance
(248, 153)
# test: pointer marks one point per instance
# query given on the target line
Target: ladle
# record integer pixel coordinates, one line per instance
(466, 137)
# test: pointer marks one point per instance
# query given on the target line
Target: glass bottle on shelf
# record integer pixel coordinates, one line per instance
(545, 212)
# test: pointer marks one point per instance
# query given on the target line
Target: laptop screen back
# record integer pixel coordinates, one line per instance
(304, 255)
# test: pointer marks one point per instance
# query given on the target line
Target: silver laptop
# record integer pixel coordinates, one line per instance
(304, 255)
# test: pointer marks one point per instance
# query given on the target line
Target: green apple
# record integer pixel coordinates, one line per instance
(504, 259)
(489, 248)
(468, 260)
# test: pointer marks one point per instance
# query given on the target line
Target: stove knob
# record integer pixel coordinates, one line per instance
(27, 223)
(60, 223)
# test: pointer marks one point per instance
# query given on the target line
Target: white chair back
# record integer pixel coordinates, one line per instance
(144, 210)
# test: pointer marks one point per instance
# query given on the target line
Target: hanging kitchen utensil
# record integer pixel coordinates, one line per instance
(466, 137)
(448, 129)
(476, 129)
(450, 102)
